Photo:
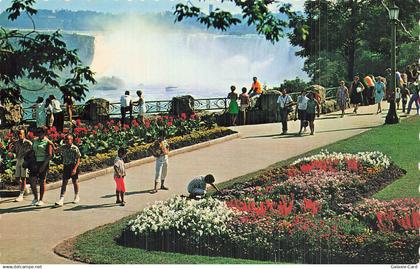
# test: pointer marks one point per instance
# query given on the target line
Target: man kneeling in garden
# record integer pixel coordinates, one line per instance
(197, 187)
(71, 160)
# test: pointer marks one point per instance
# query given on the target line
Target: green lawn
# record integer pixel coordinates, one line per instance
(400, 142)
(98, 246)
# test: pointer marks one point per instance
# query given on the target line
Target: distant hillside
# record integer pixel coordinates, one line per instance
(95, 21)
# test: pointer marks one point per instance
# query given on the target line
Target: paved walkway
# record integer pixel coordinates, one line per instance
(28, 234)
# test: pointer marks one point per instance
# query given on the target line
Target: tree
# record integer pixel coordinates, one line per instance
(40, 57)
(254, 12)
(352, 33)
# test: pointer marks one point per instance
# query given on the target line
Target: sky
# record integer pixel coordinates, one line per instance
(123, 6)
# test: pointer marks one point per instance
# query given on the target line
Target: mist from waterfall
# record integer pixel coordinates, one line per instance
(203, 64)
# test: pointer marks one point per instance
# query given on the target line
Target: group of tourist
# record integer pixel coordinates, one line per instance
(244, 98)
(127, 103)
(33, 159)
(371, 91)
(377, 88)
(48, 113)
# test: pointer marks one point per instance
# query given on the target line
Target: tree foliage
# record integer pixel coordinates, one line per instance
(38, 56)
(253, 13)
(337, 38)
(354, 34)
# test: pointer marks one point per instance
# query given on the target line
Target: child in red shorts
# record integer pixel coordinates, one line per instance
(119, 175)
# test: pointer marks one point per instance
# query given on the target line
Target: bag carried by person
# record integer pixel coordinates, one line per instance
(155, 149)
(29, 160)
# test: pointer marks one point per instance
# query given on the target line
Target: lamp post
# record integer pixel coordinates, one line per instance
(392, 117)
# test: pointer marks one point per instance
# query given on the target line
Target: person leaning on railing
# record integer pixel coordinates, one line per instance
(58, 114)
(68, 102)
(126, 106)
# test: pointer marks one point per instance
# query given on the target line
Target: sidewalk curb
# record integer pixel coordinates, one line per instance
(109, 170)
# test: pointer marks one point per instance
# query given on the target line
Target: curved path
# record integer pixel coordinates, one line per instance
(28, 234)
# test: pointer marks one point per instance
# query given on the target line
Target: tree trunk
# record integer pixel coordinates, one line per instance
(352, 40)
(350, 62)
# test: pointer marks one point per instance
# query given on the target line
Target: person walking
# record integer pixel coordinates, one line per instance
(68, 102)
(58, 114)
(126, 106)
(368, 92)
(119, 176)
(300, 112)
(233, 105)
(405, 96)
(39, 113)
(141, 106)
(71, 160)
(356, 97)
(160, 149)
(342, 96)
(312, 107)
(414, 89)
(379, 93)
(43, 151)
(256, 88)
(197, 188)
(245, 103)
(284, 102)
(21, 147)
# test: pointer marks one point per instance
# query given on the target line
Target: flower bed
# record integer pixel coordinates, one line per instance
(307, 212)
(98, 144)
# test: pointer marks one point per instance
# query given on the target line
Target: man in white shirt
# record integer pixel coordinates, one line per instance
(58, 114)
(284, 102)
(126, 106)
(300, 113)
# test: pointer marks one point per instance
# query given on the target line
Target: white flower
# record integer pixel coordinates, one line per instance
(203, 217)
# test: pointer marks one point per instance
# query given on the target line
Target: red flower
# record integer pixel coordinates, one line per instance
(94, 132)
(78, 123)
(193, 116)
(1, 145)
(53, 129)
(166, 117)
(147, 124)
(135, 123)
(169, 123)
(183, 116)
(126, 126)
(77, 140)
(116, 128)
(10, 155)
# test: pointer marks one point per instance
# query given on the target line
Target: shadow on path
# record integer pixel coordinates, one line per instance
(347, 129)
(127, 193)
(86, 207)
(20, 209)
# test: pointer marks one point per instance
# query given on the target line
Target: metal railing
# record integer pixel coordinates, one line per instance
(164, 106)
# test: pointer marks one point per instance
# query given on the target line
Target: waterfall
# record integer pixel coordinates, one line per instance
(205, 63)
